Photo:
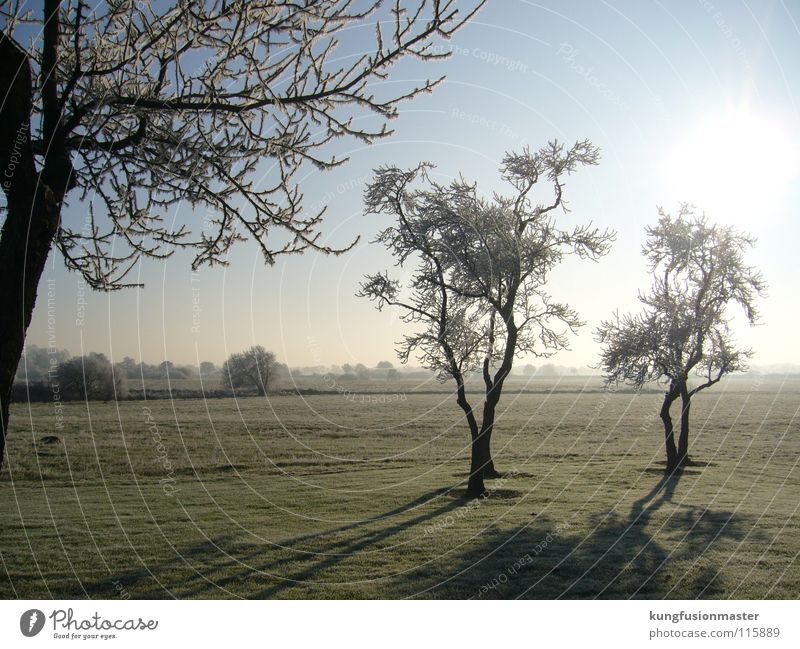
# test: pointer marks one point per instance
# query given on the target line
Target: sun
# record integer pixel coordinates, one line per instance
(736, 167)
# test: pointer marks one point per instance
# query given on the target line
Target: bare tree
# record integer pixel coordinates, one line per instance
(207, 369)
(39, 363)
(698, 272)
(253, 368)
(477, 294)
(132, 109)
(90, 377)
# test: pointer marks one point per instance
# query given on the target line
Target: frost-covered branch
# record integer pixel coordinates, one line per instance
(165, 110)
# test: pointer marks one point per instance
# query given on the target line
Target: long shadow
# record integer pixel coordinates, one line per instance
(640, 555)
(223, 560)
(646, 552)
(348, 548)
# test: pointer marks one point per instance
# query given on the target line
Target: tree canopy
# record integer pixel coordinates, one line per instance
(254, 368)
(183, 126)
(699, 272)
(213, 105)
(683, 330)
(477, 295)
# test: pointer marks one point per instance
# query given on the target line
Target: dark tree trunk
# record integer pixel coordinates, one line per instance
(478, 450)
(33, 206)
(475, 486)
(493, 390)
(683, 437)
(487, 428)
(669, 433)
(489, 472)
(17, 287)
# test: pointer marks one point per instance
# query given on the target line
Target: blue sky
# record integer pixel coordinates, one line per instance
(694, 101)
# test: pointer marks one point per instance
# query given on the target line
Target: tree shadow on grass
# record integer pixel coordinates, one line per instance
(656, 550)
(649, 553)
(217, 566)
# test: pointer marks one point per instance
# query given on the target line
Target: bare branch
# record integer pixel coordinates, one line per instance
(698, 272)
(476, 290)
(152, 107)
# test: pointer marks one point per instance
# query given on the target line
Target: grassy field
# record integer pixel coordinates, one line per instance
(350, 495)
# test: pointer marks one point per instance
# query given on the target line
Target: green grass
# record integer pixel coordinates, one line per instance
(327, 496)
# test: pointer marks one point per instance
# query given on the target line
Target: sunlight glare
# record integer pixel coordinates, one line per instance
(735, 167)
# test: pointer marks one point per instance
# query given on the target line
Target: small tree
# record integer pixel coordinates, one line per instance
(132, 108)
(207, 368)
(40, 363)
(477, 293)
(252, 368)
(167, 369)
(129, 368)
(698, 272)
(90, 377)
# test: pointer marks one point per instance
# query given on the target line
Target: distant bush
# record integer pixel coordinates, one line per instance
(90, 377)
(254, 368)
(37, 363)
(207, 368)
(165, 370)
(31, 392)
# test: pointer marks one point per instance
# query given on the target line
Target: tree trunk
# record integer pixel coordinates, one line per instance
(489, 472)
(475, 486)
(683, 437)
(487, 427)
(33, 211)
(669, 434)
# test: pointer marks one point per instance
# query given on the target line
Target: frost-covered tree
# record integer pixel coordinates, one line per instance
(127, 109)
(89, 378)
(683, 330)
(253, 368)
(207, 368)
(477, 295)
(39, 363)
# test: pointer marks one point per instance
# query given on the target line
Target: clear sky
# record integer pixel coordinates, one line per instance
(688, 100)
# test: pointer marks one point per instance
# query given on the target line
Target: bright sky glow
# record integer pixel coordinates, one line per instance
(695, 101)
(736, 166)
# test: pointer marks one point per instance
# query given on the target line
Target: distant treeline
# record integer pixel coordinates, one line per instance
(49, 374)
(38, 363)
(52, 375)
